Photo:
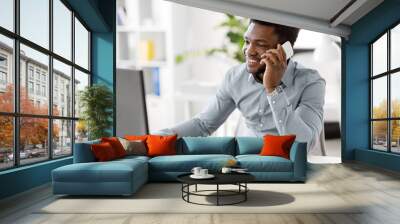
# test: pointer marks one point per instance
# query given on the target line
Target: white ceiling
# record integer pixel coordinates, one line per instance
(324, 16)
(321, 9)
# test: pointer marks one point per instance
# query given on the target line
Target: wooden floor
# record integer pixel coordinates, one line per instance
(378, 188)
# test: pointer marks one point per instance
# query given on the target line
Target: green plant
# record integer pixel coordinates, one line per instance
(236, 27)
(97, 103)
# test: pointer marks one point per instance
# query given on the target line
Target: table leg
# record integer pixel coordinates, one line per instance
(182, 188)
(188, 190)
(245, 191)
(217, 194)
(196, 188)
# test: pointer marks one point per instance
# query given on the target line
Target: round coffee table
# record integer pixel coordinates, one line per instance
(238, 179)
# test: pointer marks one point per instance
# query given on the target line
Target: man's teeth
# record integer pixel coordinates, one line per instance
(253, 61)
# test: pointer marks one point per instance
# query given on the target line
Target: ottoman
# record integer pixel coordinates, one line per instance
(118, 177)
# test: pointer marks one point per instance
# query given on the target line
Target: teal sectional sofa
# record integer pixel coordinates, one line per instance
(125, 176)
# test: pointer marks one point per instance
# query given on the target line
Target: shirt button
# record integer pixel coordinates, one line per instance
(280, 121)
(273, 102)
(260, 124)
(260, 111)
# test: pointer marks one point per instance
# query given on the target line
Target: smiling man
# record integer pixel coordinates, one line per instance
(275, 95)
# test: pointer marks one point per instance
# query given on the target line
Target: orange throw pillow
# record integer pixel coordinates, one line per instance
(103, 152)
(116, 145)
(277, 145)
(161, 145)
(136, 137)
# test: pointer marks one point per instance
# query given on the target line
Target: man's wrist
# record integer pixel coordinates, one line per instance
(277, 90)
(273, 88)
(270, 90)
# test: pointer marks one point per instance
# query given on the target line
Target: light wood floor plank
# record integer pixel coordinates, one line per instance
(377, 190)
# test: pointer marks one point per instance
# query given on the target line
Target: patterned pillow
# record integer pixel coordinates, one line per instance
(134, 147)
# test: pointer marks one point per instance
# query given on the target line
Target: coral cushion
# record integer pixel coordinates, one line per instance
(136, 137)
(116, 145)
(161, 145)
(103, 151)
(277, 145)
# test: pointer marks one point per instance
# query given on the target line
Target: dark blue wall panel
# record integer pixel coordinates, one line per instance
(24, 178)
(103, 65)
(356, 123)
(91, 13)
(356, 100)
(377, 158)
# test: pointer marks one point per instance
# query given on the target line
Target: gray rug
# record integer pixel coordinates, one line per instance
(166, 198)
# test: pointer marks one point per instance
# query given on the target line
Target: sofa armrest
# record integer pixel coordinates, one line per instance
(298, 155)
(83, 152)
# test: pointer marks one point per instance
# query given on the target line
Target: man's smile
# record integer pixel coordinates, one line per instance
(253, 62)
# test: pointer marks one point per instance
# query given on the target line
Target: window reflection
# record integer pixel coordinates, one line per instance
(7, 14)
(34, 21)
(33, 140)
(379, 100)
(81, 82)
(395, 47)
(62, 138)
(81, 131)
(62, 29)
(379, 135)
(395, 95)
(379, 55)
(395, 136)
(81, 45)
(6, 74)
(6, 142)
(36, 62)
(62, 89)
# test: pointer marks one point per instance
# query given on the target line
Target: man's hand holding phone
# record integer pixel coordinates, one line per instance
(276, 63)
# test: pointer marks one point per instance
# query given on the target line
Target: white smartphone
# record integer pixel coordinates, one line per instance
(287, 47)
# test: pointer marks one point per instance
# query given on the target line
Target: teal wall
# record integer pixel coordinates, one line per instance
(24, 178)
(99, 16)
(355, 94)
(103, 51)
(103, 64)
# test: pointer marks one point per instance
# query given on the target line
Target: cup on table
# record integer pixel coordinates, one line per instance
(203, 172)
(226, 170)
(196, 171)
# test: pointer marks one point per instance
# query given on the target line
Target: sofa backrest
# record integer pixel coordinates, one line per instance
(249, 145)
(83, 152)
(206, 145)
(193, 146)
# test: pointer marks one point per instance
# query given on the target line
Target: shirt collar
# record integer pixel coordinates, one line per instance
(287, 78)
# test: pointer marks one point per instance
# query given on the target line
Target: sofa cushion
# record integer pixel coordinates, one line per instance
(185, 163)
(103, 152)
(111, 171)
(132, 158)
(136, 137)
(116, 145)
(257, 163)
(206, 145)
(134, 147)
(159, 145)
(249, 145)
(275, 145)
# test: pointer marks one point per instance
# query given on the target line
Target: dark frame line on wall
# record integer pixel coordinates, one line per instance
(388, 74)
(16, 114)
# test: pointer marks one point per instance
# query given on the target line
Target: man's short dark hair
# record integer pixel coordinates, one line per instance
(285, 33)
